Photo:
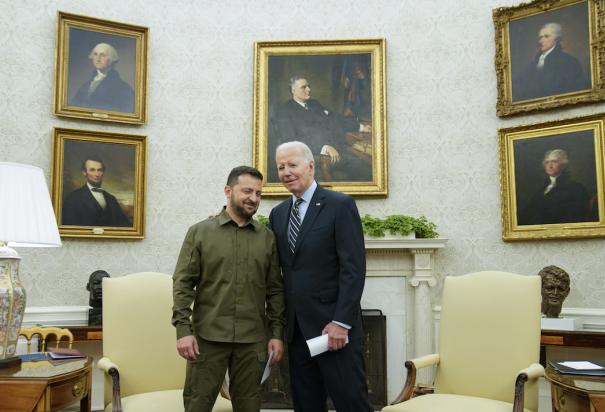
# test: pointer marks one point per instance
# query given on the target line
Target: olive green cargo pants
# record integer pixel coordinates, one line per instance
(245, 363)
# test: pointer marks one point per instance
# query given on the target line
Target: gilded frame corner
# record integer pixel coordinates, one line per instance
(124, 162)
(124, 100)
(332, 56)
(577, 209)
(514, 94)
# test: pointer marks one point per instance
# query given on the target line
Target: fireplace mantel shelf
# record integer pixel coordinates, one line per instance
(392, 243)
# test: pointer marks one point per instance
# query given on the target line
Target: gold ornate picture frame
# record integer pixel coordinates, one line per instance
(98, 183)
(549, 53)
(342, 116)
(551, 179)
(100, 70)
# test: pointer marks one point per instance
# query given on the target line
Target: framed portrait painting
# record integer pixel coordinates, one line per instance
(100, 70)
(98, 183)
(549, 54)
(551, 177)
(330, 95)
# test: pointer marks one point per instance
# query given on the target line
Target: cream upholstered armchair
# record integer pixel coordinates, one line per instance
(143, 370)
(489, 346)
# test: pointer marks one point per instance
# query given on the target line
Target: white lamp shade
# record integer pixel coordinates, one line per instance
(26, 214)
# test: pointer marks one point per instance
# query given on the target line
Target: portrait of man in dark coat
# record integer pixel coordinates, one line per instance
(560, 199)
(104, 88)
(552, 71)
(305, 119)
(91, 205)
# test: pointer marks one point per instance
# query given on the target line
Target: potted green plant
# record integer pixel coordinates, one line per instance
(402, 225)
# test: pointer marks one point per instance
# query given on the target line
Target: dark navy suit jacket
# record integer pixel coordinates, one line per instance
(325, 276)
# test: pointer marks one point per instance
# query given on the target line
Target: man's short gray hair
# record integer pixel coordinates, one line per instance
(559, 154)
(304, 149)
(111, 51)
(293, 80)
(555, 28)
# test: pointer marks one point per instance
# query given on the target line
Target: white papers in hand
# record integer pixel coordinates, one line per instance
(580, 365)
(267, 370)
(319, 344)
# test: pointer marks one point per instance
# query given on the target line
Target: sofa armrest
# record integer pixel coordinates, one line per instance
(410, 381)
(112, 370)
(533, 371)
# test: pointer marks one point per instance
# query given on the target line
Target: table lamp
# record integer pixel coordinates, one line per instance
(26, 220)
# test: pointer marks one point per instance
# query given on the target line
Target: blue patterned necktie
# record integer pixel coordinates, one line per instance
(294, 229)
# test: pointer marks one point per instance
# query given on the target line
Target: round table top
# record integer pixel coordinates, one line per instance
(45, 369)
(581, 383)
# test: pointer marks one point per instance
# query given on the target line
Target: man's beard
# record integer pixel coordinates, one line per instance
(95, 184)
(241, 211)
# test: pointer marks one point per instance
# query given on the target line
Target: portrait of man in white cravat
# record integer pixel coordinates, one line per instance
(559, 198)
(550, 53)
(104, 89)
(102, 71)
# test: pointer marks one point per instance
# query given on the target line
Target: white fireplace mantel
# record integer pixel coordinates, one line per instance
(399, 276)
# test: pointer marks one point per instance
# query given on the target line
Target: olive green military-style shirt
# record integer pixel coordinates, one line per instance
(232, 276)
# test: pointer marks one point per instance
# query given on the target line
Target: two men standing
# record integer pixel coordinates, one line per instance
(319, 240)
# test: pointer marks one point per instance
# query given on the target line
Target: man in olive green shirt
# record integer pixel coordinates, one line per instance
(229, 269)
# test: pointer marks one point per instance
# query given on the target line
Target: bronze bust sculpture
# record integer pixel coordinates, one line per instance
(555, 288)
(95, 300)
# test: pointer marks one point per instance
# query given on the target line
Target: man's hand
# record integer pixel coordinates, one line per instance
(187, 347)
(277, 347)
(337, 336)
(333, 153)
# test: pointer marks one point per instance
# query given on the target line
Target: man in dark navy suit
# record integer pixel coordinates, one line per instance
(322, 254)
(91, 205)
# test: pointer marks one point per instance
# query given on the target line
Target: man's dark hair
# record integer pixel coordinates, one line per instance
(94, 158)
(234, 175)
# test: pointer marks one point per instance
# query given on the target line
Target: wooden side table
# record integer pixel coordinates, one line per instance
(44, 386)
(576, 393)
(577, 338)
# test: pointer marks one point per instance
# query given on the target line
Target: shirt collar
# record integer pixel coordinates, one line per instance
(224, 218)
(302, 104)
(90, 187)
(547, 52)
(308, 195)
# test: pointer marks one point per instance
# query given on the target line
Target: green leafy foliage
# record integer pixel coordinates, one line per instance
(264, 220)
(393, 224)
(399, 224)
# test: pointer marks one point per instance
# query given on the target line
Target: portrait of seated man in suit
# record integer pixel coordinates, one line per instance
(559, 199)
(305, 119)
(91, 205)
(553, 71)
(104, 88)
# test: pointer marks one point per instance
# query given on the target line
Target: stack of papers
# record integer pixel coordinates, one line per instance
(579, 368)
(319, 344)
(66, 354)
